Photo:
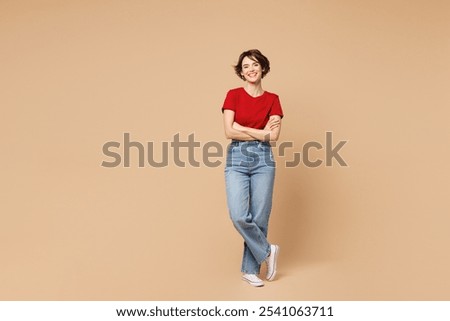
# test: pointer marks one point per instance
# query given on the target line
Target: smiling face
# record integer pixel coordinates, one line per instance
(251, 70)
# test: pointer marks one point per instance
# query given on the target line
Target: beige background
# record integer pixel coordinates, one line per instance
(77, 74)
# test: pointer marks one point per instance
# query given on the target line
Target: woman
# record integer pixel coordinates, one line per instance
(252, 119)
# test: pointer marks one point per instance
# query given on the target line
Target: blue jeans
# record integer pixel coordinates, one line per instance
(249, 178)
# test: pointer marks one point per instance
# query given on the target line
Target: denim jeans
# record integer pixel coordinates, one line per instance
(249, 178)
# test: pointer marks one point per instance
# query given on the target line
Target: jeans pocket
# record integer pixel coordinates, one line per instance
(265, 152)
(229, 156)
(265, 147)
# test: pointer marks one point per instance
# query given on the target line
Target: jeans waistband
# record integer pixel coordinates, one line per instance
(236, 142)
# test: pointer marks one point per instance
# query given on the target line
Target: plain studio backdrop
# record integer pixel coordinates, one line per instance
(76, 75)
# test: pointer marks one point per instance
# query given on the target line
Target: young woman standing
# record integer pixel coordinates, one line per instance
(252, 119)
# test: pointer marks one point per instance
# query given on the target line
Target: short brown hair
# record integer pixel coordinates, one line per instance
(255, 55)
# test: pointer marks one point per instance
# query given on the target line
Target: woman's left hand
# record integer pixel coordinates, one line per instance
(273, 123)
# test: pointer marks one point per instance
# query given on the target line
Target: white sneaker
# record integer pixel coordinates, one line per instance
(271, 261)
(253, 279)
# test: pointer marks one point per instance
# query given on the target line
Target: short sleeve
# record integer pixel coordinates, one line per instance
(276, 108)
(230, 101)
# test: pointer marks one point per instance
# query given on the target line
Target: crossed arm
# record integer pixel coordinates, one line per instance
(233, 130)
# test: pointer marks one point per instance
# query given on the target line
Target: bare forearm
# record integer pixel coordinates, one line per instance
(259, 134)
(238, 135)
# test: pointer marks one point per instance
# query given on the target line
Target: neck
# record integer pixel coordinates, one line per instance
(254, 89)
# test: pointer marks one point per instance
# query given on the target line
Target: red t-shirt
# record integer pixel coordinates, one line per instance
(251, 111)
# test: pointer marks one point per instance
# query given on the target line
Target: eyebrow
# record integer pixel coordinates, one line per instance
(249, 64)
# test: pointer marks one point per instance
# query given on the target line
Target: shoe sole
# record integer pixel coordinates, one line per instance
(274, 273)
(255, 284)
